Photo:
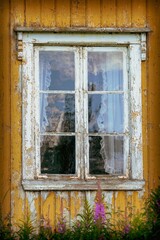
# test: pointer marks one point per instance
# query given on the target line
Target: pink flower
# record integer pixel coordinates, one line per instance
(126, 228)
(99, 213)
(61, 227)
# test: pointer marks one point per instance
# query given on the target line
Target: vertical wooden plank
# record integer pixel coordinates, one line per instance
(47, 13)
(32, 11)
(63, 17)
(63, 207)
(108, 17)
(78, 13)
(129, 205)
(123, 13)
(138, 13)
(76, 203)
(5, 106)
(138, 202)
(109, 203)
(17, 206)
(93, 13)
(153, 20)
(1, 109)
(18, 196)
(32, 208)
(119, 205)
(48, 208)
(90, 197)
(145, 124)
(1, 100)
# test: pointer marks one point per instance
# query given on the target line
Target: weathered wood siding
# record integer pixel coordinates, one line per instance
(72, 13)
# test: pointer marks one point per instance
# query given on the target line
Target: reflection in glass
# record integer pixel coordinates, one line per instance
(57, 112)
(106, 155)
(105, 113)
(57, 70)
(105, 71)
(58, 154)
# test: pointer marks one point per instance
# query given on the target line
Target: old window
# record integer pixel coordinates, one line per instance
(82, 111)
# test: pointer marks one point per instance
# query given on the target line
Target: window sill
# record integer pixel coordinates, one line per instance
(113, 184)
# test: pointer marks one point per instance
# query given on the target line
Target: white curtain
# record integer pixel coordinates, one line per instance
(110, 120)
(45, 81)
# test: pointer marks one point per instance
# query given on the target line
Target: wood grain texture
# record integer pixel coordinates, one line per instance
(17, 196)
(138, 13)
(48, 208)
(123, 13)
(33, 12)
(47, 13)
(5, 114)
(78, 13)
(63, 13)
(93, 13)
(108, 13)
(153, 69)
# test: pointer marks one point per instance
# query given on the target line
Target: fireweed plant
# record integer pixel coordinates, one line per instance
(94, 224)
(99, 209)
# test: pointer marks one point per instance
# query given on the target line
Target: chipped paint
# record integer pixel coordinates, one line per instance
(135, 114)
(31, 205)
(108, 199)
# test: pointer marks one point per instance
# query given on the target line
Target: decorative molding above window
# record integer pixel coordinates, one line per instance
(82, 110)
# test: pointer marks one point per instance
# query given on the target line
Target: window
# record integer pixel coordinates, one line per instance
(82, 111)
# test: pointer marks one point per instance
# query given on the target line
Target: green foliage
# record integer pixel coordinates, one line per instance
(85, 227)
(45, 233)
(153, 213)
(5, 229)
(86, 218)
(26, 230)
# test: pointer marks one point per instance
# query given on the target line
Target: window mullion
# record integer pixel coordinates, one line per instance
(78, 112)
(126, 167)
(85, 114)
(37, 112)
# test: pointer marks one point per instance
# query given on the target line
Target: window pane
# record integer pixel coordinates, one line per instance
(57, 112)
(106, 113)
(57, 70)
(58, 154)
(106, 155)
(105, 71)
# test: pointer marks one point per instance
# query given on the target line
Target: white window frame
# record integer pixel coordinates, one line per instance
(31, 178)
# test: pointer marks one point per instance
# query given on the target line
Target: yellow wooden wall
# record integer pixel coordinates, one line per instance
(72, 13)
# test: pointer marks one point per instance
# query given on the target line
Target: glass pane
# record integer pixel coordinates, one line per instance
(58, 154)
(106, 155)
(57, 112)
(105, 71)
(106, 113)
(57, 70)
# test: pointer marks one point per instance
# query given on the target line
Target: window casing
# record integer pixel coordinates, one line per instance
(93, 116)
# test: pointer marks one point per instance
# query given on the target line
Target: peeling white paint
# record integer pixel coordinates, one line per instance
(141, 194)
(129, 193)
(31, 197)
(108, 198)
(44, 195)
